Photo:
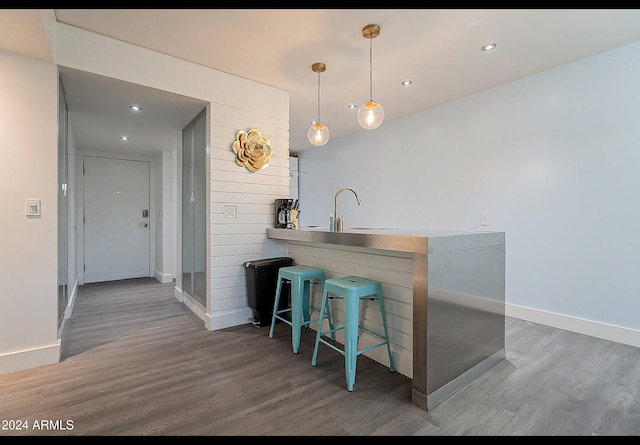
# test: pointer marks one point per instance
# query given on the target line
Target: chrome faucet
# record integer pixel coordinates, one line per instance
(338, 224)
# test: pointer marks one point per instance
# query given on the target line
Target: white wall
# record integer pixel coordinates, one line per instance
(553, 159)
(28, 257)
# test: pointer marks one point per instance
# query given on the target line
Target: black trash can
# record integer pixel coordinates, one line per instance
(262, 279)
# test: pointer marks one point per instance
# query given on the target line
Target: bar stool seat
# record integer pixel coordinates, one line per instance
(352, 290)
(300, 277)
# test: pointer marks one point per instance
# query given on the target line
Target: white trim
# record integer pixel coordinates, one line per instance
(604, 331)
(164, 278)
(228, 319)
(30, 358)
(68, 310)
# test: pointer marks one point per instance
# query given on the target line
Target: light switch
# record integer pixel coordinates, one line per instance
(33, 207)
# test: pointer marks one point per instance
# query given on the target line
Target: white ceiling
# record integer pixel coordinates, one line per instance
(439, 49)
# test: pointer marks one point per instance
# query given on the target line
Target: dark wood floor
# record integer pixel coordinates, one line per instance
(137, 362)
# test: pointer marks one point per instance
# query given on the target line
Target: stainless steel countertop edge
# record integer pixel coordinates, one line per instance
(400, 240)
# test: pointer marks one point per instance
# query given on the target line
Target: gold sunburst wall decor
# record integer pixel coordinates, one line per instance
(252, 149)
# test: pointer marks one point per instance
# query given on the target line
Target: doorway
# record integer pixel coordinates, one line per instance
(116, 219)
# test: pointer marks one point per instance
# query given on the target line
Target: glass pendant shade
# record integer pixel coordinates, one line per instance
(370, 115)
(318, 134)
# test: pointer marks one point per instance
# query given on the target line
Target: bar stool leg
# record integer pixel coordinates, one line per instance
(276, 305)
(296, 312)
(306, 296)
(351, 321)
(332, 330)
(323, 305)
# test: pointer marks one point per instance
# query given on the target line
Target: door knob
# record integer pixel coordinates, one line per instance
(144, 225)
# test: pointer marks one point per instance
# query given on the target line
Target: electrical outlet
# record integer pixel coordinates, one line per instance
(484, 219)
(230, 212)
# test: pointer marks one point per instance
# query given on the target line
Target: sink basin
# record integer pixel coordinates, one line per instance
(367, 228)
(325, 229)
(347, 229)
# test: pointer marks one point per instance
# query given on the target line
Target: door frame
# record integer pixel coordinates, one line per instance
(152, 205)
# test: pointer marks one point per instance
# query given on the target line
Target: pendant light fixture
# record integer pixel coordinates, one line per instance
(318, 132)
(370, 113)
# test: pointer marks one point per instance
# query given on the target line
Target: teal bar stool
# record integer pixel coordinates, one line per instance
(300, 278)
(352, 290)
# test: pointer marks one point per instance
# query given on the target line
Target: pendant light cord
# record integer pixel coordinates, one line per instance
(370, 68)
(318, 98)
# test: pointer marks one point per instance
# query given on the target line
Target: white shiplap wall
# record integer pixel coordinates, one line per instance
(235, 241)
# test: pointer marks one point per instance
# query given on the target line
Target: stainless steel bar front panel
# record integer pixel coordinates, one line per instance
(465, 317)
(420, 311)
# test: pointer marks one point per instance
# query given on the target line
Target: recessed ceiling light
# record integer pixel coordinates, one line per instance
(135, 108)
(352, 106)
(488, 46)
(125, 138)
(406, 83)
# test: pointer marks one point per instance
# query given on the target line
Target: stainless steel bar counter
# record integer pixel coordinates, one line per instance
(458, 286)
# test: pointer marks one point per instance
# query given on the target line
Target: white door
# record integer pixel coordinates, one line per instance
(116, 219)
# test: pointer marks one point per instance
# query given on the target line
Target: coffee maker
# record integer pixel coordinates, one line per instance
(286, 213)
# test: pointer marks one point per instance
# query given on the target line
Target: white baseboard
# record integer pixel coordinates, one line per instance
(72, 300)
(32, 358)
(164, 278)
(228, 319)
(581, 326)
(221, 320)
(68, 310)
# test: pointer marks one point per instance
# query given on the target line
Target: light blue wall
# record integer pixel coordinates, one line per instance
(553, 159)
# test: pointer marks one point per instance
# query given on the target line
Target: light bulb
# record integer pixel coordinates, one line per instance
(318, 134)
(370, 115)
